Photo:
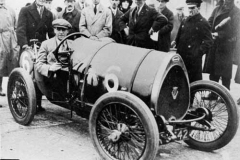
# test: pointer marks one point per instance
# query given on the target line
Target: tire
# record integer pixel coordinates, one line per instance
(123, 112)
(223, 112)
(21, 96)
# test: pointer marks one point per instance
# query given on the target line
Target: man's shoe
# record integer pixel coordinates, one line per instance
(2, 94)
(238, 101)
(40, 109)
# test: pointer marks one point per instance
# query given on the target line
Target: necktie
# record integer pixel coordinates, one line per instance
(95, 9)
(41, 12)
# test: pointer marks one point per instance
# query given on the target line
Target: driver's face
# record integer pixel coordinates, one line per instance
(60, 32)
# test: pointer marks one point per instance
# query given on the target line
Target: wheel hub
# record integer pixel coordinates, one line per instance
(116, 134)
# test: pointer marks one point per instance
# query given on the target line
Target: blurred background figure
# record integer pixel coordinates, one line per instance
(125, 5)
(48, 4)
(80, 5)
(224, 23)
(164, 34)
(72, 15)
(57, 13)
(28, 4)
(177, 20)
(116, 14)
(9, 50)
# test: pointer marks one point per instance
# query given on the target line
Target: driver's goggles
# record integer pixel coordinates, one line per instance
(61, 29)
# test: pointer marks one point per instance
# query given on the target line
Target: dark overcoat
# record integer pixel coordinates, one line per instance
(140, 25)
(32, 26)
(164, 34)
(73, 18)
(116, 34)
(219, 61)
(193, 40)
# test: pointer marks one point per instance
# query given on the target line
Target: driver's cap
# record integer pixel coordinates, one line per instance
(61, 23)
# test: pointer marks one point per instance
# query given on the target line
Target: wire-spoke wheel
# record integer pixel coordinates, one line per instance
(223, 116)
(21, 96)
(123, 127)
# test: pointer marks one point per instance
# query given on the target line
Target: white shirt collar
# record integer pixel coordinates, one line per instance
(114, 11)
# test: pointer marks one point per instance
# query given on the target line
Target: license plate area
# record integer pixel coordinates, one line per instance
(181, 133)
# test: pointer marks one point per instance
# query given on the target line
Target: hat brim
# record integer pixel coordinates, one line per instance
(55, 26)
(189, 5)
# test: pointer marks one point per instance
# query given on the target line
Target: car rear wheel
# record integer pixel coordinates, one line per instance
(21, 96)
(223, 116)
(123, 127)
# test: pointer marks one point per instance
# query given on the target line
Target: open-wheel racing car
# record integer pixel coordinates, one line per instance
(143, 99)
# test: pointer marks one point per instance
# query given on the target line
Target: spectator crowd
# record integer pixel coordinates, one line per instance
(193, 36)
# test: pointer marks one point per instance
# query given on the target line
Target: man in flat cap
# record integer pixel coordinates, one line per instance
(46, 63)
(194, 39)
(224, 21)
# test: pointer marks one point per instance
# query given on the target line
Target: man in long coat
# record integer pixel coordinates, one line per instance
(164, 34)
(224, 23)
(9, 49)
(193, 40)
(96, 21)
(34, 22)
(142, 21)
(116, 14)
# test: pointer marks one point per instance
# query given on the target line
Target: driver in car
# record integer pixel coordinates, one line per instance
(46, 63)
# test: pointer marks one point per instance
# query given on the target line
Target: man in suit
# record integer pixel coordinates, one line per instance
(193, 40)
(34, 22)
(72, 15)
(116, 14)
(96, 21)
(164, 34)
(142, 21)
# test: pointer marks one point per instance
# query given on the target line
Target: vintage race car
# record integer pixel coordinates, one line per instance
(142, 99)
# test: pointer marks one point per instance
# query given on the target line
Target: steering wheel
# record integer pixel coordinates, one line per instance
(63, 57)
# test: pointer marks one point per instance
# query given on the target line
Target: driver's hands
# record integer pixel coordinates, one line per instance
(92, 78)
(55, 67)
(93, 38)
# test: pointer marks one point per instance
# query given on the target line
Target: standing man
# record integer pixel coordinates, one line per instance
(177, 20)
(96, 21)
(9, 49)
(193, 40)
(164, 34)
(34, 22)
(224, 22)
(116, 14)
(72, 15)
(142, 21)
